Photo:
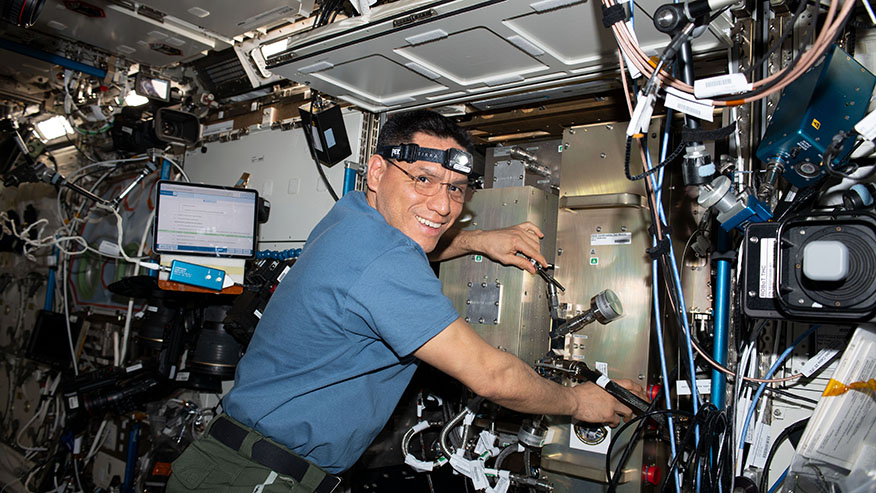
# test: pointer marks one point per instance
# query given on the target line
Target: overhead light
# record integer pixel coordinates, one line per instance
(53, 128)
(521, 135)
(272, 49)
(134, 99)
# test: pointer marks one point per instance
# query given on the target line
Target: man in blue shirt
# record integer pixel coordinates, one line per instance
(344, 331)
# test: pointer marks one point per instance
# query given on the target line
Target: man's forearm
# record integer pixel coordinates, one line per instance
(516, 386)
(455, 243)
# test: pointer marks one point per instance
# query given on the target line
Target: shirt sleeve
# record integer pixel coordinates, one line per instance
(400, 298)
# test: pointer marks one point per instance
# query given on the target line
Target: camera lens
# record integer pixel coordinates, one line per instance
(168, 128)
(22, 13)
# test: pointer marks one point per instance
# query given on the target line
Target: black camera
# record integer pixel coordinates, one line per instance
(816, 266)
(131, 133)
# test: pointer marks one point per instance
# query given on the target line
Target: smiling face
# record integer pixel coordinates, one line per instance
(422, 218)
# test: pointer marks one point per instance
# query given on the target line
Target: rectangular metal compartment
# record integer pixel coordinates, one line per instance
(522, 323)
(602, 235)
(502, 170)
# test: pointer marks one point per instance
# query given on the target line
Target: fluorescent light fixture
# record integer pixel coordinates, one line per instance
(272, 49)
(53, 128)
(134, 99)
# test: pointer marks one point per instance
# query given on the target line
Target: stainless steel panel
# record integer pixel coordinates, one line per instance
(230, 17)
(523, 320)
(602, 235)
(593, 161)
(501, 170)
(575, 471)
(469, 57)
(367, 75)
(125, 33)
(585, 269)
(476, 49)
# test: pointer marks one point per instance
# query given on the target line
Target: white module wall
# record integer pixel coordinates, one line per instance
(283, 172)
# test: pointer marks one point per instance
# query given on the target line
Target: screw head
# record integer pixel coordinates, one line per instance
(754, 239)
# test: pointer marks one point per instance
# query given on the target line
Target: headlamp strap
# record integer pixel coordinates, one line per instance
(411, 153)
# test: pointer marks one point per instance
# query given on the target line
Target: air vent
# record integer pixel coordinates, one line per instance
(222, 74)
(84, 8)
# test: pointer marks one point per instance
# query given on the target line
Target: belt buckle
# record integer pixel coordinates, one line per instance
(332, 487)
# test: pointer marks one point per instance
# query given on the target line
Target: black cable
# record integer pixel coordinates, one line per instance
(775, 447)
(628, 450)
(638, 418)
(701, 419)
(674, 154)
(311, 146)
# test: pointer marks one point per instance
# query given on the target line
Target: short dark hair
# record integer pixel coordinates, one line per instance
(401, 127)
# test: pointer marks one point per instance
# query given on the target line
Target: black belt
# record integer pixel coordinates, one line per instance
(270, 455)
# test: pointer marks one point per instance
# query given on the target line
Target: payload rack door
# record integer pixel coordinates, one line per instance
(427, 53)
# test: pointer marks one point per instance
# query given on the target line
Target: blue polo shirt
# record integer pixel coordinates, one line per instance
(331, 355)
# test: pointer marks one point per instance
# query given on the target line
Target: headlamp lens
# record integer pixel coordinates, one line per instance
(459, 161)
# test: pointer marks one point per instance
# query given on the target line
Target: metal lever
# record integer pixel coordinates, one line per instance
(542, 271)
(631, 400)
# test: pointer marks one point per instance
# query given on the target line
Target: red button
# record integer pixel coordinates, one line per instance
(651, 475)
(654, 391)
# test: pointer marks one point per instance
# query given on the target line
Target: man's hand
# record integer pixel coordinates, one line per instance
(500, 245)
(503, 245)
(595, 405)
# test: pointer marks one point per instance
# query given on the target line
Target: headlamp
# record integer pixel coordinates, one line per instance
(452, 159)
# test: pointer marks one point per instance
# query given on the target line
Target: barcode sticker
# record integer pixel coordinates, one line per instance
(689, 107)
(816, 362)
(720, 85)
(704, 386)
(867, 126)
(761, 447)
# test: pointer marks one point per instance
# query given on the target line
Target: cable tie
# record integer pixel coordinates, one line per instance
(702, 135)
(614, 14)
(658, 250)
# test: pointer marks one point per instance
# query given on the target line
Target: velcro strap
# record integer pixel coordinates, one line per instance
(700, 135)
(729, 256)
(658, 250)
(277, 459)
(614, 14)
(228, 433)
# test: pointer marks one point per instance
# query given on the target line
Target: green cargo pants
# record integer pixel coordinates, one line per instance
(208, 465)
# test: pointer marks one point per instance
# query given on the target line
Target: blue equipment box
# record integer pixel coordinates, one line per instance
(196, 275)
(828, 98)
